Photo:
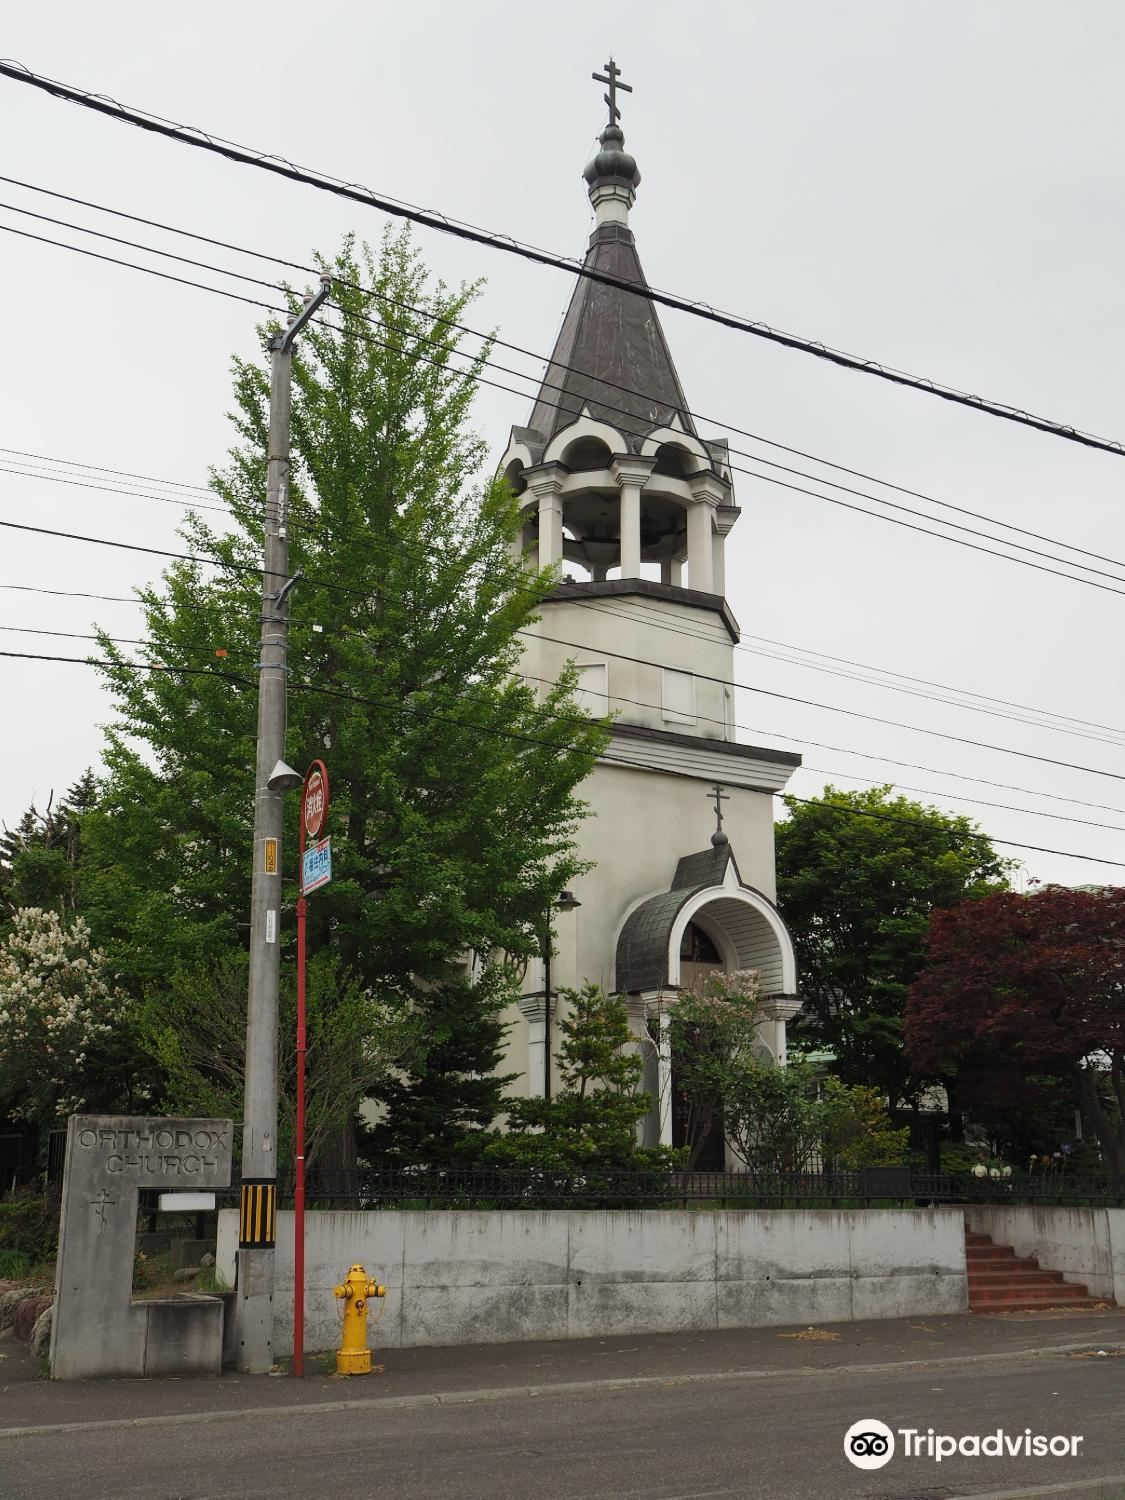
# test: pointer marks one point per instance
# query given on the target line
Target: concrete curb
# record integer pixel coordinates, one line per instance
(525, 1392)
(1063, 1489)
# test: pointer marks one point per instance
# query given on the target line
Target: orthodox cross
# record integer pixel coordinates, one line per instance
(99, 1205)
(611, 75)
(719, 797)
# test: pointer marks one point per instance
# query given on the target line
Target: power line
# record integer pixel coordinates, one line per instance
(821, 771)
(101, 541)
(50, 458)
(504, 734)
(547, 361)
(608, 608)
(112, 489)
(192, 557)
(749, 728)
(480, 379)
(834, 708)
(924, 791)
(28, 588)
(496, 385)
(602, 650)
(419, 339)
(679, 629)
(323, 182)
(859, 812)
(928, 682)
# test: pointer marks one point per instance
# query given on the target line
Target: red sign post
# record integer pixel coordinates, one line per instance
(314, 814)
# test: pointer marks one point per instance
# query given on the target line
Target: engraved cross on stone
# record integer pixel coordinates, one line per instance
(719, 797)
(99, 1205)
(611, 76)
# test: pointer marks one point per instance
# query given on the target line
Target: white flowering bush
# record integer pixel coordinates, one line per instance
(58, 1007)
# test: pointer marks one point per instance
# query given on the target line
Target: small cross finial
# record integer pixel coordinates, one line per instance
(718, 796)
(612, 76)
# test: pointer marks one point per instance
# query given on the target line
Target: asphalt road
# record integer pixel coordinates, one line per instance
(778, 1436)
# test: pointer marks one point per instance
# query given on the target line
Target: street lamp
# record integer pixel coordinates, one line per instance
(283, 778)
(566, 901)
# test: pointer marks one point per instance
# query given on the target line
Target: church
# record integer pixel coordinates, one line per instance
(633, 508)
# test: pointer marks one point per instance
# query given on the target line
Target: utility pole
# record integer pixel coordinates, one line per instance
(258, 1209)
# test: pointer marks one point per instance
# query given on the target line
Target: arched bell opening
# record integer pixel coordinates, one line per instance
(514, 474)
(592, 522)
(587, 455)
(676, 462)
(527, 539)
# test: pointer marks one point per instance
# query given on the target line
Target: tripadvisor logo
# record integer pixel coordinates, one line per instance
(869, 1444)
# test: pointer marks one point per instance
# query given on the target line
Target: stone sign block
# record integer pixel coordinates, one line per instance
(97, 1328)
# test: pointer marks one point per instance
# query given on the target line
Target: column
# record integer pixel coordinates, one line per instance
(630, 529)
(671, 570)
(550, 528)
(532, 1007)
(631, 473)
(641, 1043)
(544, 485)
(664, 1074)
(718, 563)
(708, 493)
(699, 556)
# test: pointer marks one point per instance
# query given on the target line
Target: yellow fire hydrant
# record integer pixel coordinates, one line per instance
(353, 1356)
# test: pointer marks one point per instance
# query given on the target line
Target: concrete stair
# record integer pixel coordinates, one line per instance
(999, 1281)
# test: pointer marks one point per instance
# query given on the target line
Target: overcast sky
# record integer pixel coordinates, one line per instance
(939, 188)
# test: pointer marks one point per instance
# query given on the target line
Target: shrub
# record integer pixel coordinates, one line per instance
(29, 1226)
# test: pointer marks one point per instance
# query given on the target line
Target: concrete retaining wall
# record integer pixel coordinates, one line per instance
(1115, 1217)
(1086, 1244)
(461, 1277)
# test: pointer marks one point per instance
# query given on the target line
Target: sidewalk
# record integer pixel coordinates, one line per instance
(28, 1400)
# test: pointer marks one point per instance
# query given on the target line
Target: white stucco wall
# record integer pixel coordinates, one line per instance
(639, 824)
(461, 1277)
(637, 629)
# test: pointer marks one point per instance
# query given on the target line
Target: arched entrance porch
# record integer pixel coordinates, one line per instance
(708, 921)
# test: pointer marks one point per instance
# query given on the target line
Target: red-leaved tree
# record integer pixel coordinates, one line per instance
(1018, 986)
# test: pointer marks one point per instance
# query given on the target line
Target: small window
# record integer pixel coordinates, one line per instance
(679, 697)
(593, 689)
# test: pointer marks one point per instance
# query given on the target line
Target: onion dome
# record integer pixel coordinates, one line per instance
(612, 163)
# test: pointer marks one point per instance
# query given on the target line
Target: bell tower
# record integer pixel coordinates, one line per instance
(622, 495)
(632, 506)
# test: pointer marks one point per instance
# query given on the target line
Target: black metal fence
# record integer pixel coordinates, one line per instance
(483, 1188)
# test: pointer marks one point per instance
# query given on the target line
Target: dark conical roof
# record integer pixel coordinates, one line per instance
(611, 337)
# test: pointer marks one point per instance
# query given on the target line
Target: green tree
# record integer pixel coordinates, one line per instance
(41, 858)
(858, 874)
(591, 1119)
(858, 1132)
(713, 1036)
(453, 808)
(439, 1105)
(196, 1029)
(774, 1117)
(787, 1119)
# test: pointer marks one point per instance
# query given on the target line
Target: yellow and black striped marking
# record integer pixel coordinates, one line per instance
(257, 1223)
